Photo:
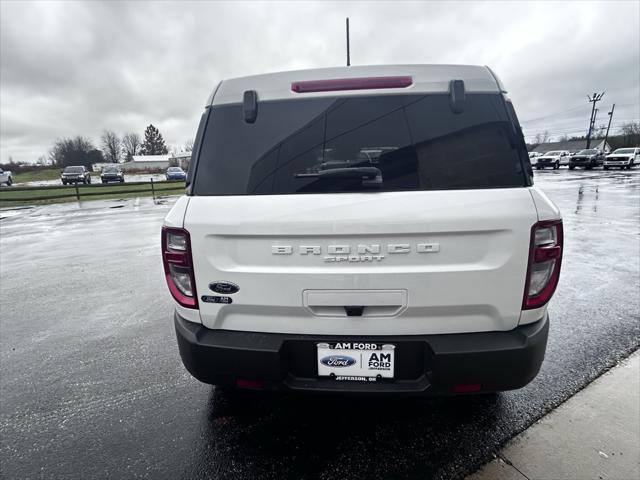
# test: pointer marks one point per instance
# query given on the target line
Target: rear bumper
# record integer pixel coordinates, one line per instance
(425, 364)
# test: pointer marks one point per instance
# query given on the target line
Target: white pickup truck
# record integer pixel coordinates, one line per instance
(297, 262)
(6, 177)
(622, 158)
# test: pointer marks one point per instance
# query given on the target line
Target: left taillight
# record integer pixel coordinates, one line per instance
(545, 258)
(178, 266)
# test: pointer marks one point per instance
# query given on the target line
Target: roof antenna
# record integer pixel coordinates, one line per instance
(348, 50)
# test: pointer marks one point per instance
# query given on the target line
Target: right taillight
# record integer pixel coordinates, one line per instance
(545, 258)
(178, 266)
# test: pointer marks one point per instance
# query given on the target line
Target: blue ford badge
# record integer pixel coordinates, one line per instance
(337, 361)
(225, 288)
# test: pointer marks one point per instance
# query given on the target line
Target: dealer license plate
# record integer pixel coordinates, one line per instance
(356, 361)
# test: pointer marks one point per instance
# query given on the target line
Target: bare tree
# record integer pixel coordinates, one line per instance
(545, 136)
(74, 151)
(188, 145)
(631, 128)
(631, 134)
(131, 144)
(538, 139)
(111, 146)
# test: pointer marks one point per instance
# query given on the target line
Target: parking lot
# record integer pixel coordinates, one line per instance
(92, 384)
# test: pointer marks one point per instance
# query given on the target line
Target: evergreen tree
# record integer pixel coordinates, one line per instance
(153, 142)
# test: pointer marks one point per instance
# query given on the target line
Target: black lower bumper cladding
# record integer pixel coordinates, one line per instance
(424, 364)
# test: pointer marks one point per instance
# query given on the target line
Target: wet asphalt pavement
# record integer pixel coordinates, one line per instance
(91, 384)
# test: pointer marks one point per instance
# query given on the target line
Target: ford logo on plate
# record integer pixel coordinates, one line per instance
(338, 361)
(224, 287)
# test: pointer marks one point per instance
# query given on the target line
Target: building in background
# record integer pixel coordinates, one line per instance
(573, 146)
(181, 160)
(147, 163)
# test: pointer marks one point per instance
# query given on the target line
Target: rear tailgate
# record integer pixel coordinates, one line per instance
(420, 262)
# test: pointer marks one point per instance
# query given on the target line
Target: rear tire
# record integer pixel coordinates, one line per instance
(9, 182)
(571, 167)
(556, 165)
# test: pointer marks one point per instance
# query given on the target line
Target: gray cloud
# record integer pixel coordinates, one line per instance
(70, 68)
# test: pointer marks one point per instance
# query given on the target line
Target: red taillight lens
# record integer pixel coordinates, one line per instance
(365, 83)
(178, 266)
(545, 258)
(466, 388)
(251, 384)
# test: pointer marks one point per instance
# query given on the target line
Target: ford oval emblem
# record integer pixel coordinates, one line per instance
(338, 361)
(224, 287)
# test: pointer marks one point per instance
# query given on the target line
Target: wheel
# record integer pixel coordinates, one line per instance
(589, 167)
(606, 168)
(571, 167)
(538, 168)
(628, 168)
(9, 181)
(122, 180)
(89, 180)
(556, 165)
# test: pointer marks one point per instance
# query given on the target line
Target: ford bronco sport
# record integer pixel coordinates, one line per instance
(362, 230)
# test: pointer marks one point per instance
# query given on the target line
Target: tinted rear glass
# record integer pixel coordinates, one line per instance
(74, 170)
(415, 142)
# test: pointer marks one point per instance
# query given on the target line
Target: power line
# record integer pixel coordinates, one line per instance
(555, 131)
(552, 114)
(572, 109)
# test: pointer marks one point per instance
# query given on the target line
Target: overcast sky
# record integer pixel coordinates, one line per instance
(77, 68)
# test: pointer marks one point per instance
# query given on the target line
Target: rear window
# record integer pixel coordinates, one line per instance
(74, 170)
(415, 142)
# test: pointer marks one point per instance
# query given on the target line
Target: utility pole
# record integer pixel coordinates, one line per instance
(606, 136)
(594, 99)
(348, 49)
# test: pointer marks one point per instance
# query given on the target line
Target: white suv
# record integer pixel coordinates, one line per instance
(622, 158)
(298, 261)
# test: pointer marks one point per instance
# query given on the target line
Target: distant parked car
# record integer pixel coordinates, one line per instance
(586, 159)
(554, 159)
(176, 173)
(622, 158)
(112, 174)
(75, 174)
(533, 157)
(6, 177)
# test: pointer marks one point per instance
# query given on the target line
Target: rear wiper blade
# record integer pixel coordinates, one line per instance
(369, 175)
